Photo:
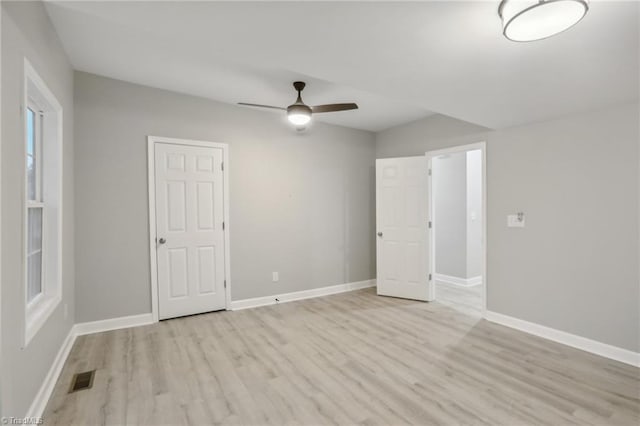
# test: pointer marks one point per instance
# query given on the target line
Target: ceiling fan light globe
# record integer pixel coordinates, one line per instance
(529, 20)
(299, 119)
(299, 114)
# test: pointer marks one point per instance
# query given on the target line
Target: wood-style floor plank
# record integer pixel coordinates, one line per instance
(353, 358)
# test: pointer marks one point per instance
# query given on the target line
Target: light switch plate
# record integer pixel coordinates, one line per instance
(275, 277)
(514, 222)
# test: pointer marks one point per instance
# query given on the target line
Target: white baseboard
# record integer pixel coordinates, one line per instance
(300, 295)
(603, 349)
(44, 393)
(464, 282)
(112, 324)
(475, 280)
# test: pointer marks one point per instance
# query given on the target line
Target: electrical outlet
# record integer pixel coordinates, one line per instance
(275, 277)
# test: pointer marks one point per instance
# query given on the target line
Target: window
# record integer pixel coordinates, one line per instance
(43, 202)
(34, 202)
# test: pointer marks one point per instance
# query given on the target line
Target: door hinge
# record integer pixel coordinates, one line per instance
(429, 172)
(222, 166)
(223, 226)
(429, 224)
(225, 283)
(429, 277)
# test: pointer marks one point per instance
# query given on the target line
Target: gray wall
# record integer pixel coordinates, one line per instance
(575, 265)
(474, 213)
(450, 214)
(302, 204)
(457, 198)
(436, 131)
(27, 31)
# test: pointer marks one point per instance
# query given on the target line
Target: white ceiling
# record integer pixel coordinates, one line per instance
(399, 61)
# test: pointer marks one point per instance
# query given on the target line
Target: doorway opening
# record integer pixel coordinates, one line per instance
(457, 220)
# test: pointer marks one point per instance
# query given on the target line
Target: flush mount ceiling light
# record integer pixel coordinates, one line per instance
(299, 113)
(529, 20)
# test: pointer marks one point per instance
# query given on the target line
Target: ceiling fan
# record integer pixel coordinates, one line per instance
(300, 113)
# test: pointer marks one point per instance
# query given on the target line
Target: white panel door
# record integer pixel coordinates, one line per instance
(189, 229)
(402, 227)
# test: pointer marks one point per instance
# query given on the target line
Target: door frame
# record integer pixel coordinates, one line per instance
(151, 189)
(482, 146)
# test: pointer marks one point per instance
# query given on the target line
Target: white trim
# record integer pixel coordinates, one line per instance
(153, 261)
(83, 328)
(49, 97)
(153, 252)
(477, 280)
(300, 295)
(603, 349)
(463, 282)
(36, 314)
(44, 393)
(482, 146)
(431, 235)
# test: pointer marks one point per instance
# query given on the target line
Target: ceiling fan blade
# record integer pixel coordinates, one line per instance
(333, 107)
(261, 106)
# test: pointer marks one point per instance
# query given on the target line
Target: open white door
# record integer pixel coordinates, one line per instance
(402, 228)
(190, 244)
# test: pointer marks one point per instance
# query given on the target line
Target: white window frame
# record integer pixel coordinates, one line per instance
(40, 99)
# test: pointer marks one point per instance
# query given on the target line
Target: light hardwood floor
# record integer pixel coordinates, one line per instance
(467, 300)
(343, 359)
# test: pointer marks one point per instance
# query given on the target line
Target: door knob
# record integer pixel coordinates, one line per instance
(162, 241)
(379, 234)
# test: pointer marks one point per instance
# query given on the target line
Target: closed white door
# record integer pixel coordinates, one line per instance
(402, 228)
(189, 229)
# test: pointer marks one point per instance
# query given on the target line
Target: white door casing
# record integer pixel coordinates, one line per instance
(403, 261)
(189, 239)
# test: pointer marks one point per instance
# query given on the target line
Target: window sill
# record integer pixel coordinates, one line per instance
(37, 315)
